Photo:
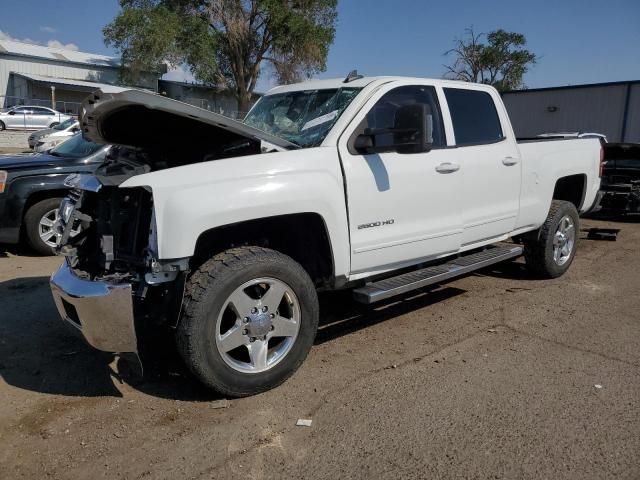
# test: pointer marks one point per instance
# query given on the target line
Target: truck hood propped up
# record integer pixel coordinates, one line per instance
(145, 120)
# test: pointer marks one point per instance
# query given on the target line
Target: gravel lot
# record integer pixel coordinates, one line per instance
(495, 375)
(14, 141)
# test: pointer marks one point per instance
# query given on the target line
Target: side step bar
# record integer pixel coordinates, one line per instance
(389, 287)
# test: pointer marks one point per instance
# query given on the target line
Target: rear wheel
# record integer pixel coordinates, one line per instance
(550, 252)
(249, 320)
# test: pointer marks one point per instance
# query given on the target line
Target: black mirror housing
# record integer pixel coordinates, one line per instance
(410, 129)
(365, 144)
(410, 133)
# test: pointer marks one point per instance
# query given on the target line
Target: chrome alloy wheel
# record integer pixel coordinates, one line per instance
(47, 229)
(564, 240)
(258, 325)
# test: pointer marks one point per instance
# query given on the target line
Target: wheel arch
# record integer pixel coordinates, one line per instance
(302, 236)
(571, 188)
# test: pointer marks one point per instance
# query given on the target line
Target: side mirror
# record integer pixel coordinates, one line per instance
(408, 135)
(12, 112)
(410, 129)
(365, 144)
(75, 129)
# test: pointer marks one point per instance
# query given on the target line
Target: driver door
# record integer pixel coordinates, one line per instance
(403, 207)
(16, 118)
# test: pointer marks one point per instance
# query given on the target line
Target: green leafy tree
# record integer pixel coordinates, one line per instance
(225, 43)
(502, 61)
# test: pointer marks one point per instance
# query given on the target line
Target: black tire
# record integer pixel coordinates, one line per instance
(32, 224)
(207, 292)
(539, 246)
(2, 126)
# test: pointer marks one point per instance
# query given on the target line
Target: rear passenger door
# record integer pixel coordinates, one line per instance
(490, 163)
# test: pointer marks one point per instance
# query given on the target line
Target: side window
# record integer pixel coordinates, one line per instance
(41, 111)
(383, 114)
(474, 116)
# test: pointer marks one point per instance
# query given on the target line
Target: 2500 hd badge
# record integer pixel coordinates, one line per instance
(376, 224)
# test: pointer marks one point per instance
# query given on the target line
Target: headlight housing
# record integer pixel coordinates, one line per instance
(3, 180)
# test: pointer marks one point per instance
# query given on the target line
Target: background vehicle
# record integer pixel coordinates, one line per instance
(382, 185)
(48, 142)
(26, 117)
(66, 126)
(32, 185)
(620, 190)
(574, 135)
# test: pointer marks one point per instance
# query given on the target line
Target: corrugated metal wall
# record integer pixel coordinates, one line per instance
(595, 108)
(50, 68)
(632, 130)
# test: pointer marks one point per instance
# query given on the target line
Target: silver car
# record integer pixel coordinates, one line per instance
(60, 129)
(27, 117)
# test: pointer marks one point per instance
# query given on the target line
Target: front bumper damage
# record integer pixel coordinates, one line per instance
(102, 311)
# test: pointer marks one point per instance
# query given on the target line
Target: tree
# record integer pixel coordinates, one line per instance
(225, 43)
(501, 62)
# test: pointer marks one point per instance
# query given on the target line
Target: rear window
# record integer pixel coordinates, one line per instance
(474, 116)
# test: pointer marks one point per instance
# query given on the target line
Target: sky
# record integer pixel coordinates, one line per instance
(577, 41)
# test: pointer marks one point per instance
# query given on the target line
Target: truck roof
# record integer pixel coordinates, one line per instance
(358, 83)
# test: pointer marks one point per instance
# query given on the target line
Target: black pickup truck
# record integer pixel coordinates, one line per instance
(620, 187)
(32, 186)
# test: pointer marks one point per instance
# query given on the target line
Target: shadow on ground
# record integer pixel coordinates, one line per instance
(20, 249)
(38, 352)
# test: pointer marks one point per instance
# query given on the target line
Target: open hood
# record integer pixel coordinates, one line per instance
(140, 119)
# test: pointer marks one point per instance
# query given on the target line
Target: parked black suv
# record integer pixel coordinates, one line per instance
(32, 186)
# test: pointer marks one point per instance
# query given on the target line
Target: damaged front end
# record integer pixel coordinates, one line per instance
(112, 285)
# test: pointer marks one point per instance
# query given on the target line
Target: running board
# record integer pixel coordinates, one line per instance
(390, 287)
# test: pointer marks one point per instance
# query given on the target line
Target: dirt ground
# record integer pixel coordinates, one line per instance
(14, 141)
(496, 375)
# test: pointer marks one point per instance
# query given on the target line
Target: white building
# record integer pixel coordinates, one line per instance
(54, 77)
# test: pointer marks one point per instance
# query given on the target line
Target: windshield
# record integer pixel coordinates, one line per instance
(76, 147)
(66, 124)
(303, 117)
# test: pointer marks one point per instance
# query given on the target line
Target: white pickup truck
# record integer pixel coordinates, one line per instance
(224, 231)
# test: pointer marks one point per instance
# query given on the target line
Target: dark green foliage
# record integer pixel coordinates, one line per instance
(225, 42)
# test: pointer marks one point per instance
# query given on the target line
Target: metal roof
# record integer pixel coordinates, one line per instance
(573, 87)
(11, 47)
(63, 82)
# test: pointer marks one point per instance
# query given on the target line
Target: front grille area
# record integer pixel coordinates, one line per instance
(115, 231)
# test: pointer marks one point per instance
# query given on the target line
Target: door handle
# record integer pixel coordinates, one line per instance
(510, 161)
(447, 167)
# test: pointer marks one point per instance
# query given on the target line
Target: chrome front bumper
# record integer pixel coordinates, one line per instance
(102, 311)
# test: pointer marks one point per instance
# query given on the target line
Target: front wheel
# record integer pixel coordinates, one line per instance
(249, 320)
(551, 250)
(2, 126)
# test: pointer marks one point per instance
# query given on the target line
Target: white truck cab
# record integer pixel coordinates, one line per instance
(225, 230)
